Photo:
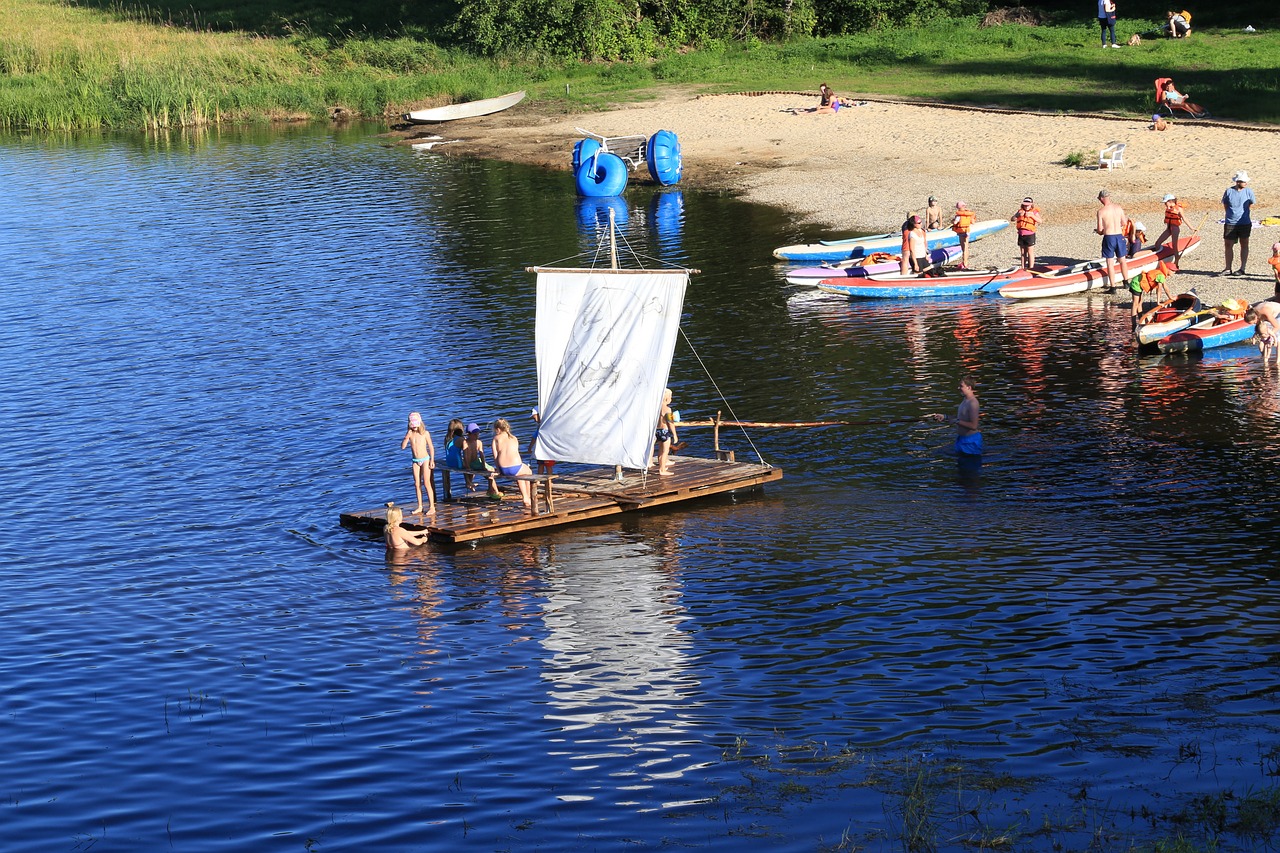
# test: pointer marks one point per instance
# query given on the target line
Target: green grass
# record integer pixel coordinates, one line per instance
(64, 68)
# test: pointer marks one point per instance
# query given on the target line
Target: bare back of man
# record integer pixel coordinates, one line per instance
(1110, 224)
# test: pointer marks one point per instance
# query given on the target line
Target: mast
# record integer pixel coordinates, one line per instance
(613, 242)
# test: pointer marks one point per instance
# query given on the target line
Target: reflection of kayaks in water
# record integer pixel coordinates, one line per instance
(857, 247)
(859, 267)
(1091, 274)
(897, 286)
(470, 109)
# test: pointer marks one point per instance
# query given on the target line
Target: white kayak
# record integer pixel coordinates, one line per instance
(470, 109)
(858, 247)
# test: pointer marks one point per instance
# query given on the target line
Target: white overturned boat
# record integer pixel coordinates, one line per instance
(470, 109)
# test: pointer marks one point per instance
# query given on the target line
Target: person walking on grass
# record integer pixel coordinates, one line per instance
(1237, 224)
(1111, 224)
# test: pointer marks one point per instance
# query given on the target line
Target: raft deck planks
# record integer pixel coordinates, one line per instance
(579, 495)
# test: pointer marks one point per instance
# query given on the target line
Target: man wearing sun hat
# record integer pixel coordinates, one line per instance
(1026, 219)
(1174, 216)
(1237, 224)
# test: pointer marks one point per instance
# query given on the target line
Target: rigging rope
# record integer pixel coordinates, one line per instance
(720, 394)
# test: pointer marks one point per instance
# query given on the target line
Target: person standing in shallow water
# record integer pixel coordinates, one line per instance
(968, 436)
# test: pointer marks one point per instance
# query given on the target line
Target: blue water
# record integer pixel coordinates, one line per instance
(211, 343)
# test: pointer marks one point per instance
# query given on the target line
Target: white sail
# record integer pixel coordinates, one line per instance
(604, 341)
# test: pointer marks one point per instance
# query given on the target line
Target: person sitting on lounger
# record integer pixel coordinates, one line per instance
(1178, 101)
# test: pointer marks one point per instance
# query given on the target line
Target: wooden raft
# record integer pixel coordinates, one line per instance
(579, 495)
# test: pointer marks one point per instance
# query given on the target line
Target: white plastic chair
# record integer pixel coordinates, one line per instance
(1111, 156)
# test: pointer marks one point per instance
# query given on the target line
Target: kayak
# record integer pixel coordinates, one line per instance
(1207, 334)
(469, 109)
(898, 286)
(858, 247)
(1091, 274)
(859, 267)
(1163, 320)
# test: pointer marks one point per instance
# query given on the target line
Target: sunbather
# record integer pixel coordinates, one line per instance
(1167, 95)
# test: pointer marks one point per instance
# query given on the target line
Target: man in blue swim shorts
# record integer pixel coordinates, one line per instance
(1111, 225)
(968, 438)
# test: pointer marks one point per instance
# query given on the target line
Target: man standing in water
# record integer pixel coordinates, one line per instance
(1111, 222)
(968, 438)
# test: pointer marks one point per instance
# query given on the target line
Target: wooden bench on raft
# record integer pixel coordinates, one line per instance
(544, 480)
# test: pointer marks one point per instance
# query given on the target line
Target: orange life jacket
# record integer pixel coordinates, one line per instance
(1151, 279)
(1173, 215)
(1024, 221)
(964, 219)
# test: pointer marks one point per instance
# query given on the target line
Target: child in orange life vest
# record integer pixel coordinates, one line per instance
(1136, 233)
(1026, 219)
(1173, 219)
(1274, 260)
(961, 223)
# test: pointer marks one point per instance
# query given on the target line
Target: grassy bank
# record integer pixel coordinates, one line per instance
(65, 68)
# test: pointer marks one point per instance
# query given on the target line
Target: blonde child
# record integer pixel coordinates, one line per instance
(665, 434)
(424, 460)
(397, 537)
(506, 455)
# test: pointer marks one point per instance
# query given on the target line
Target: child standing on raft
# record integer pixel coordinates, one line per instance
(424, 461)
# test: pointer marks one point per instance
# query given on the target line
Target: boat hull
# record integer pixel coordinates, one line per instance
(1092, 274)
(917, 287)
(858, 247)
(470, 109)
(854, 269)
(1198, 339)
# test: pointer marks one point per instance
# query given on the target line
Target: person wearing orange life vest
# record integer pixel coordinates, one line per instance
(961, 223)
(1026, 219)
(1136, 233)
(1174, 216)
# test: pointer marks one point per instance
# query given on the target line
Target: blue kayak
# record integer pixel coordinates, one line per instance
(955, 283)
(858, 247)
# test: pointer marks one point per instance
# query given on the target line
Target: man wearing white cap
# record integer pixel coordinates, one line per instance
(1236, 202)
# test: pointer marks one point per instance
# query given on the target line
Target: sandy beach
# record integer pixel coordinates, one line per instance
(867, 166)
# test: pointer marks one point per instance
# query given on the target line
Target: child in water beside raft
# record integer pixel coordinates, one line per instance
(424, 460)
(397, 537)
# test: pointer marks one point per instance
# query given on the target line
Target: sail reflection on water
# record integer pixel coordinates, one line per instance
(618, 665)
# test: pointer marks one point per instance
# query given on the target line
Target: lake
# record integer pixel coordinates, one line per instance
(211, 344)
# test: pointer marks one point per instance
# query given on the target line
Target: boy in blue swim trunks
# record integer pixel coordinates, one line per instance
(968, 438)
(1111, 225)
